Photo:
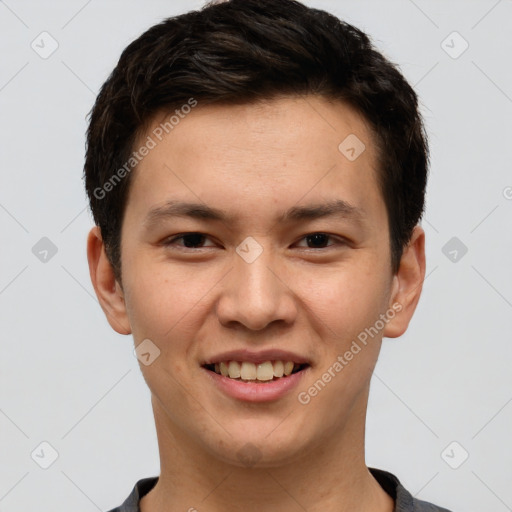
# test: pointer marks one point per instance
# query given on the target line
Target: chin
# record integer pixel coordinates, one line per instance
(249, 455)
(260, 447)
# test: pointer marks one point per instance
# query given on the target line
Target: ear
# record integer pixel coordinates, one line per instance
(407, 285)
(108, 290)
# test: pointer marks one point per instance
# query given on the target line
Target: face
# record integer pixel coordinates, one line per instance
(262, 271)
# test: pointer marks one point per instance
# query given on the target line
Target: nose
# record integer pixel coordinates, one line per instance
(256, 294)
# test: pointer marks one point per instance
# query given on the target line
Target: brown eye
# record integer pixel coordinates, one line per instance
(190, 240)
(320, 240)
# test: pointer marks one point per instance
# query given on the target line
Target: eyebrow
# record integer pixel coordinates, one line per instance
(339, 208)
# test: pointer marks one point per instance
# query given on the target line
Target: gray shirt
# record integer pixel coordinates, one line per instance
(404, 501)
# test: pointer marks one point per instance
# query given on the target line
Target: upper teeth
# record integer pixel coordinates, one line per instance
(250, 371)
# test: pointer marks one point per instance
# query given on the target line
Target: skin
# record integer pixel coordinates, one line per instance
(256, 161)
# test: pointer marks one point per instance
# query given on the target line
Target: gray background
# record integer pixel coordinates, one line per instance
(66, 378)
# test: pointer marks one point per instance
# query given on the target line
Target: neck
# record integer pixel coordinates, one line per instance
(329, 477)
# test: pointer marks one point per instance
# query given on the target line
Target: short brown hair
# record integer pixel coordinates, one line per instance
(242, 51)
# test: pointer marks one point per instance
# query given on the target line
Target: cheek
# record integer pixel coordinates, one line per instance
(348, 309)
(345, 300)
(159, 297)
(167, 305)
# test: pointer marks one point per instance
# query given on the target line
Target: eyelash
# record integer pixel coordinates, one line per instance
(170, 242)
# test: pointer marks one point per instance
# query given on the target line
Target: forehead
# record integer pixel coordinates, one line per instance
(256, 157)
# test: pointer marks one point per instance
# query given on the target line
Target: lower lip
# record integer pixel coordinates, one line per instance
(254, 391)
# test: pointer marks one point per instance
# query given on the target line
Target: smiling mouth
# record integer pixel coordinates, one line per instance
(245, 371)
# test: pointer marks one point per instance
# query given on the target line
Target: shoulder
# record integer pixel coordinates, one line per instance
(141, 488)
(424, 506)
(404, 501)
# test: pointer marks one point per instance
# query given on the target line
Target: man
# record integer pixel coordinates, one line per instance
(257, 171)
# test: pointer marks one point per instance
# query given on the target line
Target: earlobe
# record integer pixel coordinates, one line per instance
(109, 292)
(407, 285)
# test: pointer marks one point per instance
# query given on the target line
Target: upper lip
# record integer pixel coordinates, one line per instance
(257, 357)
